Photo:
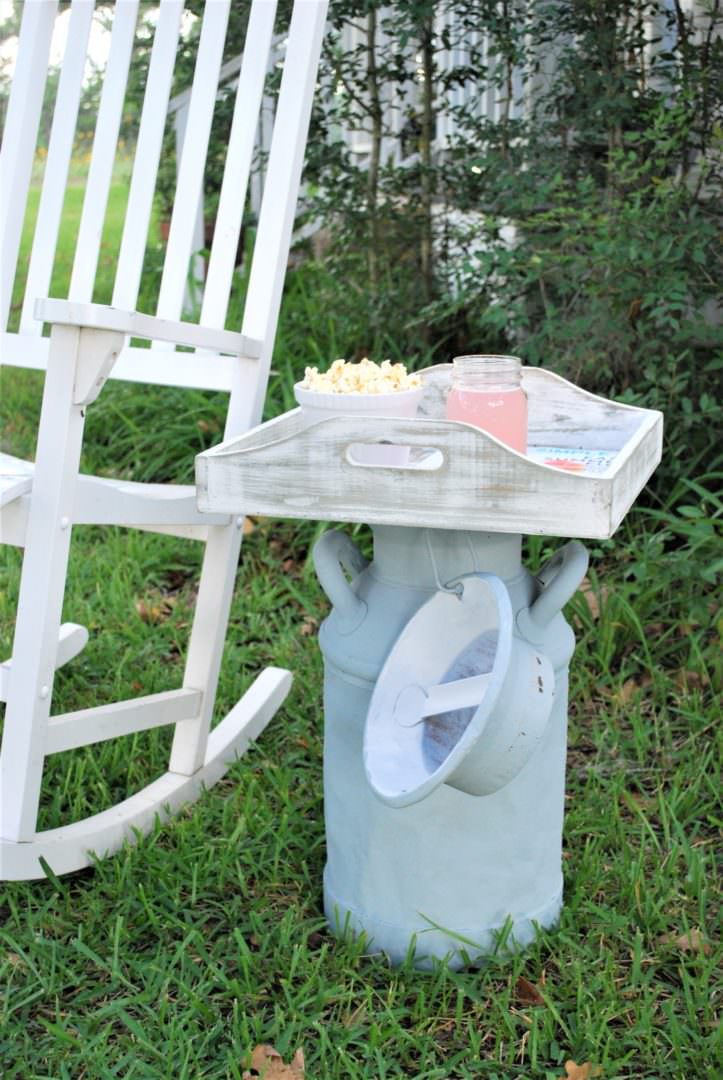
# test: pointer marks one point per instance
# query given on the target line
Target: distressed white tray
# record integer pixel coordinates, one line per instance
(458, 477)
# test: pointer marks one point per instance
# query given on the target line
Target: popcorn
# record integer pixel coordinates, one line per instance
(366, 377)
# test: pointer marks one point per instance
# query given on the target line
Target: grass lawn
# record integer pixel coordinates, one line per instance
(178, 956)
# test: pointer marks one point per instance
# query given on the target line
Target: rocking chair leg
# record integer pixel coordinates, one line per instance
(42, 587)
(205, 650)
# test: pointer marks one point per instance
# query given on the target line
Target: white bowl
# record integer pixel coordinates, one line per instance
(317, 405)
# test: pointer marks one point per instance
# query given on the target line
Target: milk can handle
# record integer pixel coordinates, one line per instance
(559, 578)
(333, 551)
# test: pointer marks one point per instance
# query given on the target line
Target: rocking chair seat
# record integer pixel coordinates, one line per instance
(16, 478)
(102, 500)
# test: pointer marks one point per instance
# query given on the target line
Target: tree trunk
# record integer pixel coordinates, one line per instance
(425, 154)
(504, 120)
(375, 110)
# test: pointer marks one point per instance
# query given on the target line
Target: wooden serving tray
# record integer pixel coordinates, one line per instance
(456, 476)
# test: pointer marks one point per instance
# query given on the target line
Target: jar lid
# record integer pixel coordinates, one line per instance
(462, 698)
(452, 640)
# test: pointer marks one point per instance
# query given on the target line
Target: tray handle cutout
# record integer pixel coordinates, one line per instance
(389, 455)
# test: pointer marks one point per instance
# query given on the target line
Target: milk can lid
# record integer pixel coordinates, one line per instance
(437, 689)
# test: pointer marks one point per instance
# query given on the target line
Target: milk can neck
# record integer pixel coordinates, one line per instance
(486, 372)
(402, 554)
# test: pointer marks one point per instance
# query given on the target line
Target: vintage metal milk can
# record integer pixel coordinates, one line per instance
(443, 830)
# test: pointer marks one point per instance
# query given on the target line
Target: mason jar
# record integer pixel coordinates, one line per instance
(487, 391)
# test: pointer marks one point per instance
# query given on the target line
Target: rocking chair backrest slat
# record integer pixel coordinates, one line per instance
(57, 164)
(276, 219)
(283, 126)
(147, 156)
(232, 199)
(193, 160)
(105, 142)
(21, 132)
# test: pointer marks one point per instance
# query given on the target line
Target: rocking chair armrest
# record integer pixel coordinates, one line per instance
(136, 324)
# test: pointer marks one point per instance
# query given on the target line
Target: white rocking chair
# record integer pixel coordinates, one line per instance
(90, 343)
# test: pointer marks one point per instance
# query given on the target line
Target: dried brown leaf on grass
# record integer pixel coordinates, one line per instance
(268, 1064)
(636, 799)
(631, 687)
(308, 626)
(155, 611)
(691, 680)
(213, 426)
(586, 1071)
(527, 993)
(593, 598)
(692, 941)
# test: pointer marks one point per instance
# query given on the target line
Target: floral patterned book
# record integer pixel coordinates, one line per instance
(589, 462)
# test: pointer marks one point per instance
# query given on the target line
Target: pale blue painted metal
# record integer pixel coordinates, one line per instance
(447, 872)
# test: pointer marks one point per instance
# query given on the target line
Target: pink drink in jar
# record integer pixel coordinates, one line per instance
(487, 392)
